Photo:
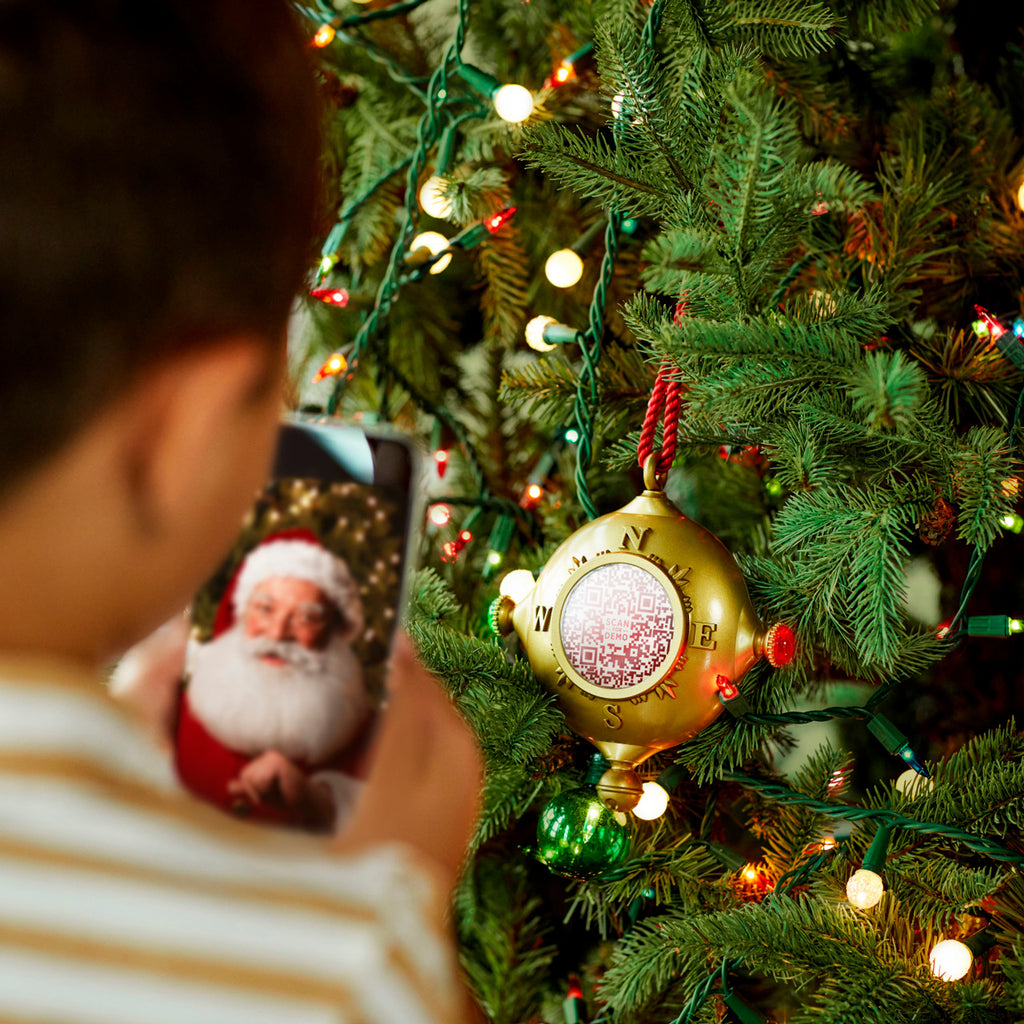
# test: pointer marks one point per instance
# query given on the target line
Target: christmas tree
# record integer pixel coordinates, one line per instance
(778, 247)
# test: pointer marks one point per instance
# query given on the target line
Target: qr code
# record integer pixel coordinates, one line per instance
(616, 626)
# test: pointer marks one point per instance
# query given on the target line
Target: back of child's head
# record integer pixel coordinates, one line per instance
(158, 186)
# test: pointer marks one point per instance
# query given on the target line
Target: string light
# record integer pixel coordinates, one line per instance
(912, 785)
(515, 585)
(335, 364)
(564, 268)
(440, 514)
(566, 70)
(327, 263)
(450, 549)
(435, 243)
(1020, 196)
(563, 73)
(332, 296)
(653, 802)
(533, 493)
(994, 625)
(543, 333)
(514, 103)
(432, 198)
(894, 741)
(1011, 521)
(572, 435)
(441, 461)
(496, 220)
(497, 544)
(986, 325)
(950, 960)
(324, 35)
(865, 886)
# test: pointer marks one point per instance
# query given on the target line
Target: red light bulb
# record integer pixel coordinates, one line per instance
(332, 296)
(727, 688)
(996, 329)
(441, 460)
(465, 536)
(495, 221)
(335, 364)
(324, 35)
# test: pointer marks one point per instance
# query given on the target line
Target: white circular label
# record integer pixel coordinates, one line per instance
(617, 626)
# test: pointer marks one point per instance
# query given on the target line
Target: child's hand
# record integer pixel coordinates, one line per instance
(427, 773)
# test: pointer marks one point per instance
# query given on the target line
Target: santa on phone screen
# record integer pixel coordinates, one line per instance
(273, 721)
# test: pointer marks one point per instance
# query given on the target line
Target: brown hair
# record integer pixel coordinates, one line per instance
(158, 189)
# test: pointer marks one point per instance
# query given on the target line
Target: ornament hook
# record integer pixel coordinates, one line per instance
(653, 480)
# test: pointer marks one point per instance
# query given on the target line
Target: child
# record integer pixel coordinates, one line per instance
(158, 186)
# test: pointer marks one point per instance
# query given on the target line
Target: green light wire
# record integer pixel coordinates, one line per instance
(590, 348)
(778, 793)
(427, 133)
(590, 340)
(955, 635)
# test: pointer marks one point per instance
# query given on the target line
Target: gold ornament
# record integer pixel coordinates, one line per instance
(635, 623)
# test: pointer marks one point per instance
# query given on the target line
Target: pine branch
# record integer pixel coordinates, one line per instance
(782, 28)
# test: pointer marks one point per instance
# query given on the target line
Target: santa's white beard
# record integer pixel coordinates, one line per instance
(307, 709)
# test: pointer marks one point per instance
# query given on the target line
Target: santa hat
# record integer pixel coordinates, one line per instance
(293, 554)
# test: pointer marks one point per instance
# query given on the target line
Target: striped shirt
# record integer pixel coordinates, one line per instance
(123, 901)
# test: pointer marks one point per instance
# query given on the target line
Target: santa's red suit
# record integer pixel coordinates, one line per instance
(234, 709)
(206, 766)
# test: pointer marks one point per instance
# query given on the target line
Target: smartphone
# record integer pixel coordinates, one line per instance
(284, 683)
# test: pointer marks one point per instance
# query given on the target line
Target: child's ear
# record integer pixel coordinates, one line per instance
(203, 425)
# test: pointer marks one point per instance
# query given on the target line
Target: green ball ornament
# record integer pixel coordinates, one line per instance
(579, 835)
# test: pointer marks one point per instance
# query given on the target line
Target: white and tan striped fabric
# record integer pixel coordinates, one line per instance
(124, 902)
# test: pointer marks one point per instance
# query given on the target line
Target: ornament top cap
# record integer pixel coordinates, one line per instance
(653, 480)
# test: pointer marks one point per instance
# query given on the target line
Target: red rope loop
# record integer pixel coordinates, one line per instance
(665, 402)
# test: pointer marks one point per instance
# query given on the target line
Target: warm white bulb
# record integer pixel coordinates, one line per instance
(652, 803)
(864, 889)
(1020, 196)
(516, 584)
(432, 198)
(617, 102)
(535, 333)
(513, 103)
(440, 515)
(564, 268)
(435, 242)
(950, 960)
(912, 784)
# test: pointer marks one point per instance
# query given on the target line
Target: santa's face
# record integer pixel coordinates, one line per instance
(305, 703)
(286, 610)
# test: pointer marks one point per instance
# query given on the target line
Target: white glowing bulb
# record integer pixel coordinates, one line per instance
(435, 242)
(912, 784)
(950, 960)
(535, 333)
(516, 584)
(652, 802)
(513, 103)
(617, 102)
(864, 889)
(440, 515)
(564, 268)
(432, 198)
(1020, 196)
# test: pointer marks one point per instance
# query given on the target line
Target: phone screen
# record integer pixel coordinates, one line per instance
(285, 675)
